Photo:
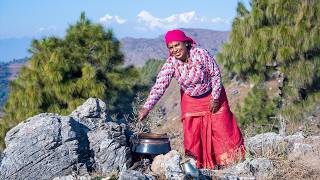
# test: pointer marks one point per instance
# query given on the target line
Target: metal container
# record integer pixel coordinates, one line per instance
(189, 169)
(150, 143)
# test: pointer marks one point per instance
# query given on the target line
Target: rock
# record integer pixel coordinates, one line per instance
(91, 113)
(134, 175)
(262, 168)
(300, 149)
(239, 169)
(226, 174)
(72, 177)
(312, 118)
(233, 177)
(49, 145)
(292, 139)
(297, 137)
(168, 165)
(43, 147)
(264, 143)
(143, 165)
(249, 169)
(259, 167)
(69, 177)
(107, 139)
(108, 143)
(1, 157)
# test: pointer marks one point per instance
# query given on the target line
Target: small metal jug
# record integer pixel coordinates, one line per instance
(189, 169)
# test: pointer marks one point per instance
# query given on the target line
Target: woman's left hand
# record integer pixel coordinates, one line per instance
(214, 105)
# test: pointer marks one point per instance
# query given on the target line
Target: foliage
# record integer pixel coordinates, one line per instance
(143, 82)
(258, 110)
(63, 73)
(150, 70)
(277, 35)
(299, 113)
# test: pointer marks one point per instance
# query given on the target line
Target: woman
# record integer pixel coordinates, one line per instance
(211, 134)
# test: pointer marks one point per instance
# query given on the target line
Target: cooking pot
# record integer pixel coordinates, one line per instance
(150, 143)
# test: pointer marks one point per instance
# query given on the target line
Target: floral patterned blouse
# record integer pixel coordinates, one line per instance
(195, 77)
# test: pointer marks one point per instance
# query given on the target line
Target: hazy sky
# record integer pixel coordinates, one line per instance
(134, 18)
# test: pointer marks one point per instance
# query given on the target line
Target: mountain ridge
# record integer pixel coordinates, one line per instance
(138, 50)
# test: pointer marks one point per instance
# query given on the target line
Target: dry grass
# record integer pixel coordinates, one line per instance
(236, 93)
(308, 127)
(306, 166)
(290, 169)
(100, 176)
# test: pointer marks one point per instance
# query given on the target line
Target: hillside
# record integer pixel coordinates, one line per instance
(8, 71)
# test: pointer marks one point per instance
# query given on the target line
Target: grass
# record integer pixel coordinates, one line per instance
(297, 114)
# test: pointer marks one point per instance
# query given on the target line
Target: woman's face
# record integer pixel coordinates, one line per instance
(178, 49)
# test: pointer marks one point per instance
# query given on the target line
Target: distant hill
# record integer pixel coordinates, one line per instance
(138, 50)
(8, 71)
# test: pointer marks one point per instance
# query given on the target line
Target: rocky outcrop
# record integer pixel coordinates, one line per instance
(107, 141)
(134, 175)
(108, 144)
(49, 145)
(167, 165)
(44, 146)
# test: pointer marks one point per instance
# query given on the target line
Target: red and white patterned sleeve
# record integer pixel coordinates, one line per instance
(215, 74)
(163, 81)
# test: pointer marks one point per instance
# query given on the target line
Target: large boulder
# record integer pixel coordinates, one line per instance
(262, 144)
(109, 145)
(42, 147)
(49, 145)
(92, 113)
(167, 165)
(134, 175)
(107, 140)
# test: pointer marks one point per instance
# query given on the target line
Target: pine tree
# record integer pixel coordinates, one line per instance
(150, 70)
(63, 73)
(277, 36)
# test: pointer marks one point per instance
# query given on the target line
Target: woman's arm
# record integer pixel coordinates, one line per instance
(214, 71)
(163, 80)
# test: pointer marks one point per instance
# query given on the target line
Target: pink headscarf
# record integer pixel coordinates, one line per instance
(177, 35)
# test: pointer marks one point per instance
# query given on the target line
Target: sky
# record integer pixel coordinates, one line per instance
(134, 18)
(127, 18)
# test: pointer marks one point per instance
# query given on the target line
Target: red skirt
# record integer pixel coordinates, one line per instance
(211, 138)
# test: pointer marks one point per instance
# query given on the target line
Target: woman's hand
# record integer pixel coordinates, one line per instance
(214, 105)
(143, 114)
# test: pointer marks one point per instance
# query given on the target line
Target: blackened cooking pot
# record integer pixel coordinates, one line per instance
(150, 143)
